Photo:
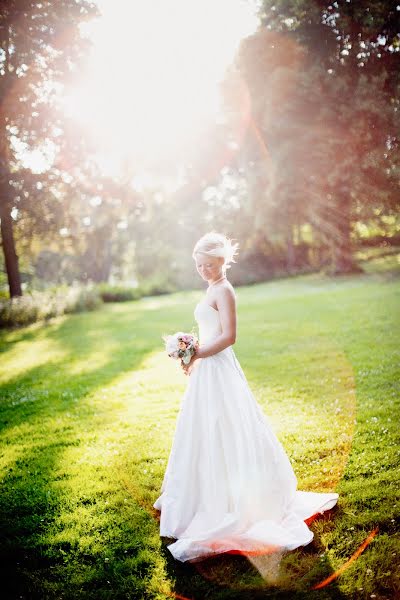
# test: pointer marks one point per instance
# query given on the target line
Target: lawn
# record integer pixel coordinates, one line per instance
(87, 415)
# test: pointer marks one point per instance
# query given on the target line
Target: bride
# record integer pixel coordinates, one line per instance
(229, 485)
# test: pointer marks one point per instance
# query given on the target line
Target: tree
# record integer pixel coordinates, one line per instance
(41, 44)
(328, 115)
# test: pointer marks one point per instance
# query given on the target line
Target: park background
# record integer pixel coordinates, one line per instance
(128, 130)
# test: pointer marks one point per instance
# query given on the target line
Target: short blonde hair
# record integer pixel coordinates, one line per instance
(216, 244)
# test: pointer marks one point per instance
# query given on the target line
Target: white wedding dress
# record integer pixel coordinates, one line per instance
(229, 485)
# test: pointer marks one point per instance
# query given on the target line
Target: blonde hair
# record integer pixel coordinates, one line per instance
(216, 244)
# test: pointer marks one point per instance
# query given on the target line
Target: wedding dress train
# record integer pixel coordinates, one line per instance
(229, 485)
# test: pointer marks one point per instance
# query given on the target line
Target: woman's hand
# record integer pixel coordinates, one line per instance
(187, 369)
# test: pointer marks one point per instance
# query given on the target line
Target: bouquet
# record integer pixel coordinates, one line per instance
(181, 345)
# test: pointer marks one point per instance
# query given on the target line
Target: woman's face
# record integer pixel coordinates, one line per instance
(209, 267)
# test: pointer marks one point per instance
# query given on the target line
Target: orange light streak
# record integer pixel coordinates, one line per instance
(263, 147)
(356, 554)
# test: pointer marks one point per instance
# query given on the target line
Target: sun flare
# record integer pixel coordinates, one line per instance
(150, 85)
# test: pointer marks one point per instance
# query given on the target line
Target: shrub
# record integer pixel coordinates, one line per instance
(39, 306)
(118, 293)
(79, 299)
(19, 311)
(152, 286)
(157, 285)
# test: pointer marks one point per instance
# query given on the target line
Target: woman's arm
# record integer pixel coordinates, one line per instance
(226, 303)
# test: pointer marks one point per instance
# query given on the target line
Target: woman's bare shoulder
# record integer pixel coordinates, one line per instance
(231, 288)
(226, 289)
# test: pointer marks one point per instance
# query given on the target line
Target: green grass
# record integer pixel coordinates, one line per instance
(87, 416)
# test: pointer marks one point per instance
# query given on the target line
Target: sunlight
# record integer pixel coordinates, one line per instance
(39, 159)
(150, 86)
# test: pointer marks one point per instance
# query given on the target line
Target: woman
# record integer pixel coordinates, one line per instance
(229, 485)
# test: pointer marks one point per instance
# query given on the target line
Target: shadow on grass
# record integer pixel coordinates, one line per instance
(41, 558)
(28, 506)
(123, 341)
(43, 411)
(237, 577)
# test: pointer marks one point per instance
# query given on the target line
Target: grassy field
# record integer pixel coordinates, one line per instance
(87, 415)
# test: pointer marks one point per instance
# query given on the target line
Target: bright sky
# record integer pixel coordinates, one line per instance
(151, 83)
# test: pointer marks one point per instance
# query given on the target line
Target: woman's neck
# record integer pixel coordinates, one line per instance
(217, 280)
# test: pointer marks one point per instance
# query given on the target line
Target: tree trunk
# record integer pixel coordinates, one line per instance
(6, 224)
(10, 255)
(341, 250)
(290, 249)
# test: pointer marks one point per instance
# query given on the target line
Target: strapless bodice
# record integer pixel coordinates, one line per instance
(208, 321)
